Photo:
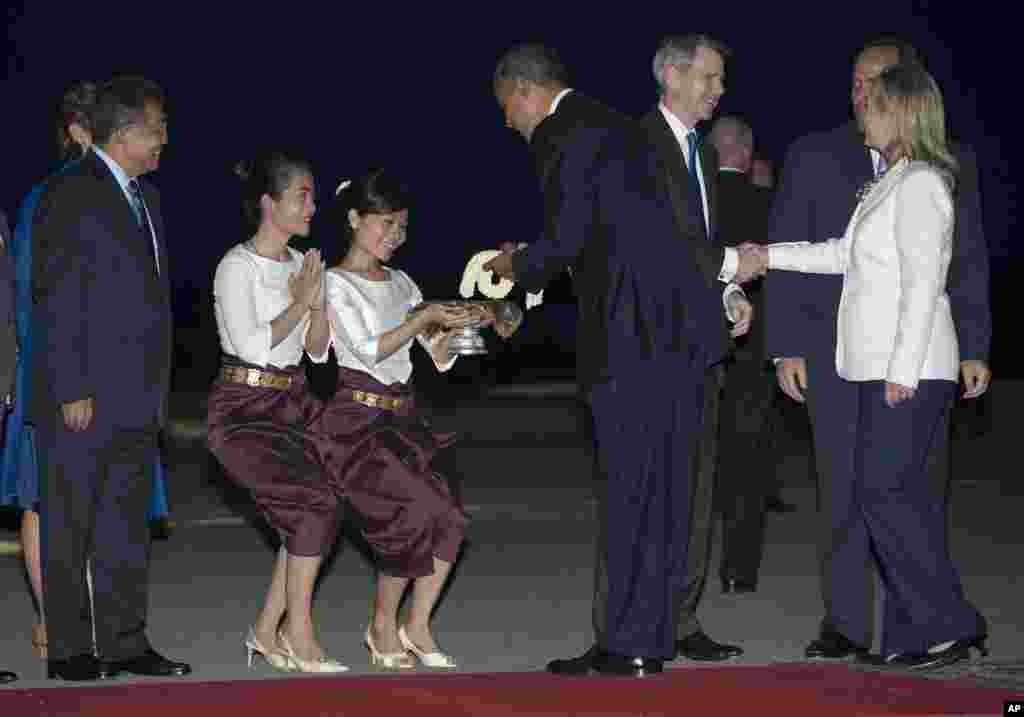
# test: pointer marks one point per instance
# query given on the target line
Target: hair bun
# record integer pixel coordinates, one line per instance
(243, 169)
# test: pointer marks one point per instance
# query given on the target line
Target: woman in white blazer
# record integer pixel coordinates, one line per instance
(897, 341)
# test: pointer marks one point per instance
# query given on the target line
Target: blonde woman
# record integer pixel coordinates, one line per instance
(897, 342)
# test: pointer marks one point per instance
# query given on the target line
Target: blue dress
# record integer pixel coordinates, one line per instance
(19, 468)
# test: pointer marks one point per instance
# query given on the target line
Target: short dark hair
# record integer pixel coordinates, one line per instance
(75, 107)
(270, 173)
(121, 102)
(377, 192)
(534, 63)
(906, 53)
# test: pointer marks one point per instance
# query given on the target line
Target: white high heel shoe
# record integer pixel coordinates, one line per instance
(322, 665)
(427, 659)
(277, 660)
(390, 660)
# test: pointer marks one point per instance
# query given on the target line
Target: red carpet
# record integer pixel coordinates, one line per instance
(783, 690)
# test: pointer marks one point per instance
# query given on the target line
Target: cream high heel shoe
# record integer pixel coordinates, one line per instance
(389, 661)
(278, 661)
(323, 665)
(427, 659)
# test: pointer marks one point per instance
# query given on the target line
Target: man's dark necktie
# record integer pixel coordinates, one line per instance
(142, 217)
(693, 142)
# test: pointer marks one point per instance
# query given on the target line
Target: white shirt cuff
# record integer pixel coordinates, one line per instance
(731, 289)
(730, 265)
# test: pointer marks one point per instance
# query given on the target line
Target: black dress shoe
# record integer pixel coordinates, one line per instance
(735, 585)
(6, 677)
(575, 665)
(834, 645)
(153, 664)
(775, 504)
(610, 663)
(958, 651)
(702, 648)
(80, 668)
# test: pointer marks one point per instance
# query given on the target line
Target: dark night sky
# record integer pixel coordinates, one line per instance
(410, 89)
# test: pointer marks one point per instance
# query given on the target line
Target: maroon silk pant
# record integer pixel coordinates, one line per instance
(379, 460)
(262, 437)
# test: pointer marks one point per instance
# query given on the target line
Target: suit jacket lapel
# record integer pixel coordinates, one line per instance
(709, 167)
(879, 192)
(124, 212)
(148, 195)
(675, 176)
(118, 201)
(673, 170)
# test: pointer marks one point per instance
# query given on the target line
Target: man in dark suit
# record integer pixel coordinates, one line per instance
(103, 317)
(745, 471)
(635, 229)
(8, 346)
(818, 192)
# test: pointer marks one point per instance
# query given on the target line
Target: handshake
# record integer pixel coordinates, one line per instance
(753, 262)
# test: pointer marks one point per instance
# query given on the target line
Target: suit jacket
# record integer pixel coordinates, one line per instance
(895, 321)
(816, 197)
(102, 314)
(742, 217)
(566, 148)
(648, 287)
(8, 339)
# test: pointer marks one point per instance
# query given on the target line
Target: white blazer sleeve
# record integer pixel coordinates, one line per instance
(825, 257)
(234, 290)
(922, 230)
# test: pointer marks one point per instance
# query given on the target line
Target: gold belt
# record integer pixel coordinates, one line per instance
(254, 377)
(374, 400)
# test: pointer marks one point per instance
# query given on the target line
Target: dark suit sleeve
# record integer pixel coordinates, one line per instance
(790, 220)
(968, 280)
(63, 273)
(565, 226)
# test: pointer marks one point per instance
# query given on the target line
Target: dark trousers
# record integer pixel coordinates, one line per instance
(746, 471)
(96, 486)
(904, 520)
(661, 466)
(832, 408)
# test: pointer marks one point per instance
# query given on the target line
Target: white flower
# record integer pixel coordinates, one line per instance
(475, 277)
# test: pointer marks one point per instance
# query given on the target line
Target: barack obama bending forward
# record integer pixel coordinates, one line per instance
(621, 210)
(104, 320)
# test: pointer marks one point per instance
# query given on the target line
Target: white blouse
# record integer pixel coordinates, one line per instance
(249, 292)
(895, 322)
(361, 311)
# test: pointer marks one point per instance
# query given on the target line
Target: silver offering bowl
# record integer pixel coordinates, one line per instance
(467, 341)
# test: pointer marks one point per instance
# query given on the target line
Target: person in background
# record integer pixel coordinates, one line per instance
(19, 470)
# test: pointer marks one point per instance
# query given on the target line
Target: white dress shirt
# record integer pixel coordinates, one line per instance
(124, 180)
(894, 322)
(731, 261)
(249, 292)
(361, 310)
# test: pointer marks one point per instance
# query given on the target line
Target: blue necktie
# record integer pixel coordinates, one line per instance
(693, 141)
(142, 216)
